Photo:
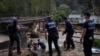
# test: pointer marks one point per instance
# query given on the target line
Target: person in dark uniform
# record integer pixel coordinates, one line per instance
(42, 45)
(13, 32)
(51, 28)
(87, 34)
(69, 31)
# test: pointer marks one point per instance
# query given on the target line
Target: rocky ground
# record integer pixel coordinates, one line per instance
(76, 52)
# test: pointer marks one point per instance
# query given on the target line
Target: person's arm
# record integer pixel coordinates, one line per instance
(84, 31)
(17, 25)
(65, 29)
(46, 35)
(83, 34)
(57, 28)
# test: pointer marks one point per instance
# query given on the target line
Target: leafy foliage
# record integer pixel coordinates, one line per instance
(57, 17)
(25, 7)
(97, 43)
(63, 10)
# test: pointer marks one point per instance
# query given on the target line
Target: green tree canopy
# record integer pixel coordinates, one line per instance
(62, 11)
(30, 7)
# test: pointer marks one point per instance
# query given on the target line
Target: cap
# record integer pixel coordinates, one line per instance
(87, 14)
(65, 18)
(49, 18)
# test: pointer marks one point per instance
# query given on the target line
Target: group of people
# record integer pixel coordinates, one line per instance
(53, 35)
(38, 47)
(86, 38)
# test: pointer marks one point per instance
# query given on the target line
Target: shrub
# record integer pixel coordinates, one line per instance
(57, 17)
(96, 43)
(63, 10)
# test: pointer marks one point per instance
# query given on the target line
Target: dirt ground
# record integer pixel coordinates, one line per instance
(76, 52)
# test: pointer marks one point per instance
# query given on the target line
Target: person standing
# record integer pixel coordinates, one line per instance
(13, 32)
(69, 31)
(87, 34)
(51, 28)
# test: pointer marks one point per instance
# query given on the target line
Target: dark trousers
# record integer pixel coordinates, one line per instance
(70, 42)
(87, 45)
(16, 38)
(54, 39)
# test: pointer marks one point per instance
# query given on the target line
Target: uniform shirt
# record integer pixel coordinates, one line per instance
(89, 26)
(51, 28)
(68, 28)
(12, 26)
(42, 45)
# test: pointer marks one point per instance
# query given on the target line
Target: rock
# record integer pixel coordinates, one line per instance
(34, 35)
